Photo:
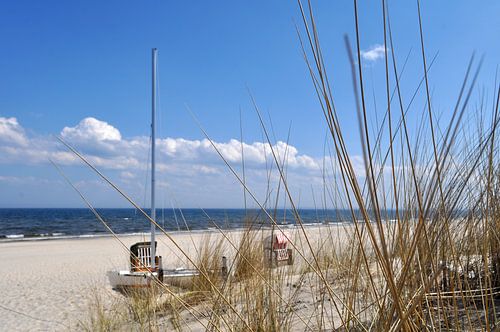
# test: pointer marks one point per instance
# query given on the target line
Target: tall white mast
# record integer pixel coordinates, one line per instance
(153, 209)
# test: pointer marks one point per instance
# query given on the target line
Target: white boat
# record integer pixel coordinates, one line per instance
(144, 271)
(141, 272)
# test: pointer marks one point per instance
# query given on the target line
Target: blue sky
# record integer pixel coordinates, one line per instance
(85, 66)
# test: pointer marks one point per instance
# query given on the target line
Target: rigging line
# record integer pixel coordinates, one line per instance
(163, 214)
(146, 182)
(189, 230)
(172, 199)
(160, 131)
(175, 216)
(146, 175)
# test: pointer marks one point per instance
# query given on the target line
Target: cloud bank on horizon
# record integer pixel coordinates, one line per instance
(190, 170)
(104, 145)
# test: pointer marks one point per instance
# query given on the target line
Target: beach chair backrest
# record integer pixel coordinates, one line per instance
(145, 256)
(140, 257)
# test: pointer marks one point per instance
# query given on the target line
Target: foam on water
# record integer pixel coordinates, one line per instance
(14, 236)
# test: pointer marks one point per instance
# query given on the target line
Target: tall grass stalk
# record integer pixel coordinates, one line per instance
(421, 246)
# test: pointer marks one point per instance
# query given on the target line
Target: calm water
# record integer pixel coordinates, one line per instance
(57, 223)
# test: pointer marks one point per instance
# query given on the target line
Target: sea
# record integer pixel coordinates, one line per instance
(45, 224)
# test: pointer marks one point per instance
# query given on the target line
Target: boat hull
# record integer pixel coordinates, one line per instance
(130, 279)
(144, 279)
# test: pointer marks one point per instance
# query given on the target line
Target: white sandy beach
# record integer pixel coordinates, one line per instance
(47, 285)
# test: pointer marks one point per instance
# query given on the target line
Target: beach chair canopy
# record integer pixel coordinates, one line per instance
(279, 240)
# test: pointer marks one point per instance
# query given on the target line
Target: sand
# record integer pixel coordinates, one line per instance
(46, 285)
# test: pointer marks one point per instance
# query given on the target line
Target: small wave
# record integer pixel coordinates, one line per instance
(135, 234)
(15, 236)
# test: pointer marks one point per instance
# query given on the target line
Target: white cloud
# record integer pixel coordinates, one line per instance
(91, 129)
(373, 53)
(11, 132)
(104, 146)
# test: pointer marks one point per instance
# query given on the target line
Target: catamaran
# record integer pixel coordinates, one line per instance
(145, 267)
